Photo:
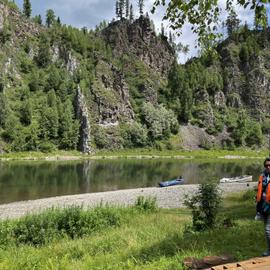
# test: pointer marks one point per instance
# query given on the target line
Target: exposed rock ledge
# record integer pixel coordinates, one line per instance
(171, 197)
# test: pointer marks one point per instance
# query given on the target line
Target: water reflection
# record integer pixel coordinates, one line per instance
(25, 180)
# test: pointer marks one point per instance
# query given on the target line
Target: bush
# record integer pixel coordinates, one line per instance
(249, 195)
(135, 135)
(204, 206)
(71, 222)
(46, 147)
(148, 204)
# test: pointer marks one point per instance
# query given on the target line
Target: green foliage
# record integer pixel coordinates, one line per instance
(37, 19)
(5, 32)
(249, 195)
(266, 126)
(159, 121)
(50, 17)
(232, 23)
(134, 135)
(254, 134)
(71, 222)
(107, 137)
(204, 17)
(3, 109)
(204, 206)
(148, 204)
(27, 9)
(43, 57)
(240, 130)
(68, 126)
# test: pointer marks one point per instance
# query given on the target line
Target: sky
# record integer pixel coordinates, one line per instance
(89, 13)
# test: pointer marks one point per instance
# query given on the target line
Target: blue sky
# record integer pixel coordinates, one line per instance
(90, 13)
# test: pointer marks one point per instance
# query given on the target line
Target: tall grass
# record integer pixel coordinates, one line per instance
(72, 222)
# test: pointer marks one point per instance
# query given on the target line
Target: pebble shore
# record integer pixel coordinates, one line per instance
(168, 197)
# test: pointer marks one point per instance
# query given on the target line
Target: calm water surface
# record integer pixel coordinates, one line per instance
(26, 180)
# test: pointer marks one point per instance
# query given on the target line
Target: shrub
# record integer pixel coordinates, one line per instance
(249, 195)
(204, 206)
(46, 147)
(148, 204)
(135, 135)
(159, 121)
(71, 222)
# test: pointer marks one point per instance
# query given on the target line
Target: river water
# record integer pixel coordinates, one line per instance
(24, 180)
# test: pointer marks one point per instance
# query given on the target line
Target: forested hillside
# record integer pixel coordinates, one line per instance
(119, 86)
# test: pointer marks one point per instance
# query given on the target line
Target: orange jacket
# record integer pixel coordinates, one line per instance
(260, 191)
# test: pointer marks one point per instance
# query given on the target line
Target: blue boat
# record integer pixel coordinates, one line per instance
(178, 181)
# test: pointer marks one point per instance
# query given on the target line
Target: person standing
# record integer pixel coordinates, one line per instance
(263, 201)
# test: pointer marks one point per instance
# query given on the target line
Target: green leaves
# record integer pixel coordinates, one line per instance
(200, 14)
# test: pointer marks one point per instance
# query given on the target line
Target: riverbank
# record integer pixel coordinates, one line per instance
(136, 154)
(170, 197)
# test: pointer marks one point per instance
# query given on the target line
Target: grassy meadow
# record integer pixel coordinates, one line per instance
(138, 237)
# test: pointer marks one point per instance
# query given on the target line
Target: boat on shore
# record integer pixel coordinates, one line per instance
(178, 181)
(240, 179)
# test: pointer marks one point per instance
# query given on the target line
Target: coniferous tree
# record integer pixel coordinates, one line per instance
(3, 109)
(27, 8)
(69, 127)
(58, 21)
(232, 22)
(162, 31)
(117, 9)
(43, 57)
(131, 15)
(50, 17)
(141, 5)
(127, 9)
(170, 38)
(121, 7)
(38, 19)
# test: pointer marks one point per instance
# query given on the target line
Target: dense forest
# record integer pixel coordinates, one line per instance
(120, 86)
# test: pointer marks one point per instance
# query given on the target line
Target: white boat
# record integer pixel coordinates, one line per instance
(242, 178)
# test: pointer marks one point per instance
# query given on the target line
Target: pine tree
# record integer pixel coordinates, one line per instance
(69, 127)
(131, 15)
(127, 9)
(27, 8)
(121, 8)
(38, 19)
(43, 57)
(58, 21)
(117, 9)
(232, 22)
(50, 17)
(141, 5)
(162, 30)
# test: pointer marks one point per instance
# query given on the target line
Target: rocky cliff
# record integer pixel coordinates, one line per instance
(138, 38)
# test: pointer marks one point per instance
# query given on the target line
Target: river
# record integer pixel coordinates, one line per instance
(25, 180)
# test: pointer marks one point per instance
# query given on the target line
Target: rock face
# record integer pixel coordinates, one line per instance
(83, 117)
(139, 39)
(22, 27)
(247, 83)
(194, 137)
(110, 95)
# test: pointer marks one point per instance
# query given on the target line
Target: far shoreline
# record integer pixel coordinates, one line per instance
(136, 154)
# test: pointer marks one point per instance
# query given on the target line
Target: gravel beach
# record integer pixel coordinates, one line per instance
(168, 197)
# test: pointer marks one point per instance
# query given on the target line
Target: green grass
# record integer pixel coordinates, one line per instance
(136, 153)
(145, 240)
